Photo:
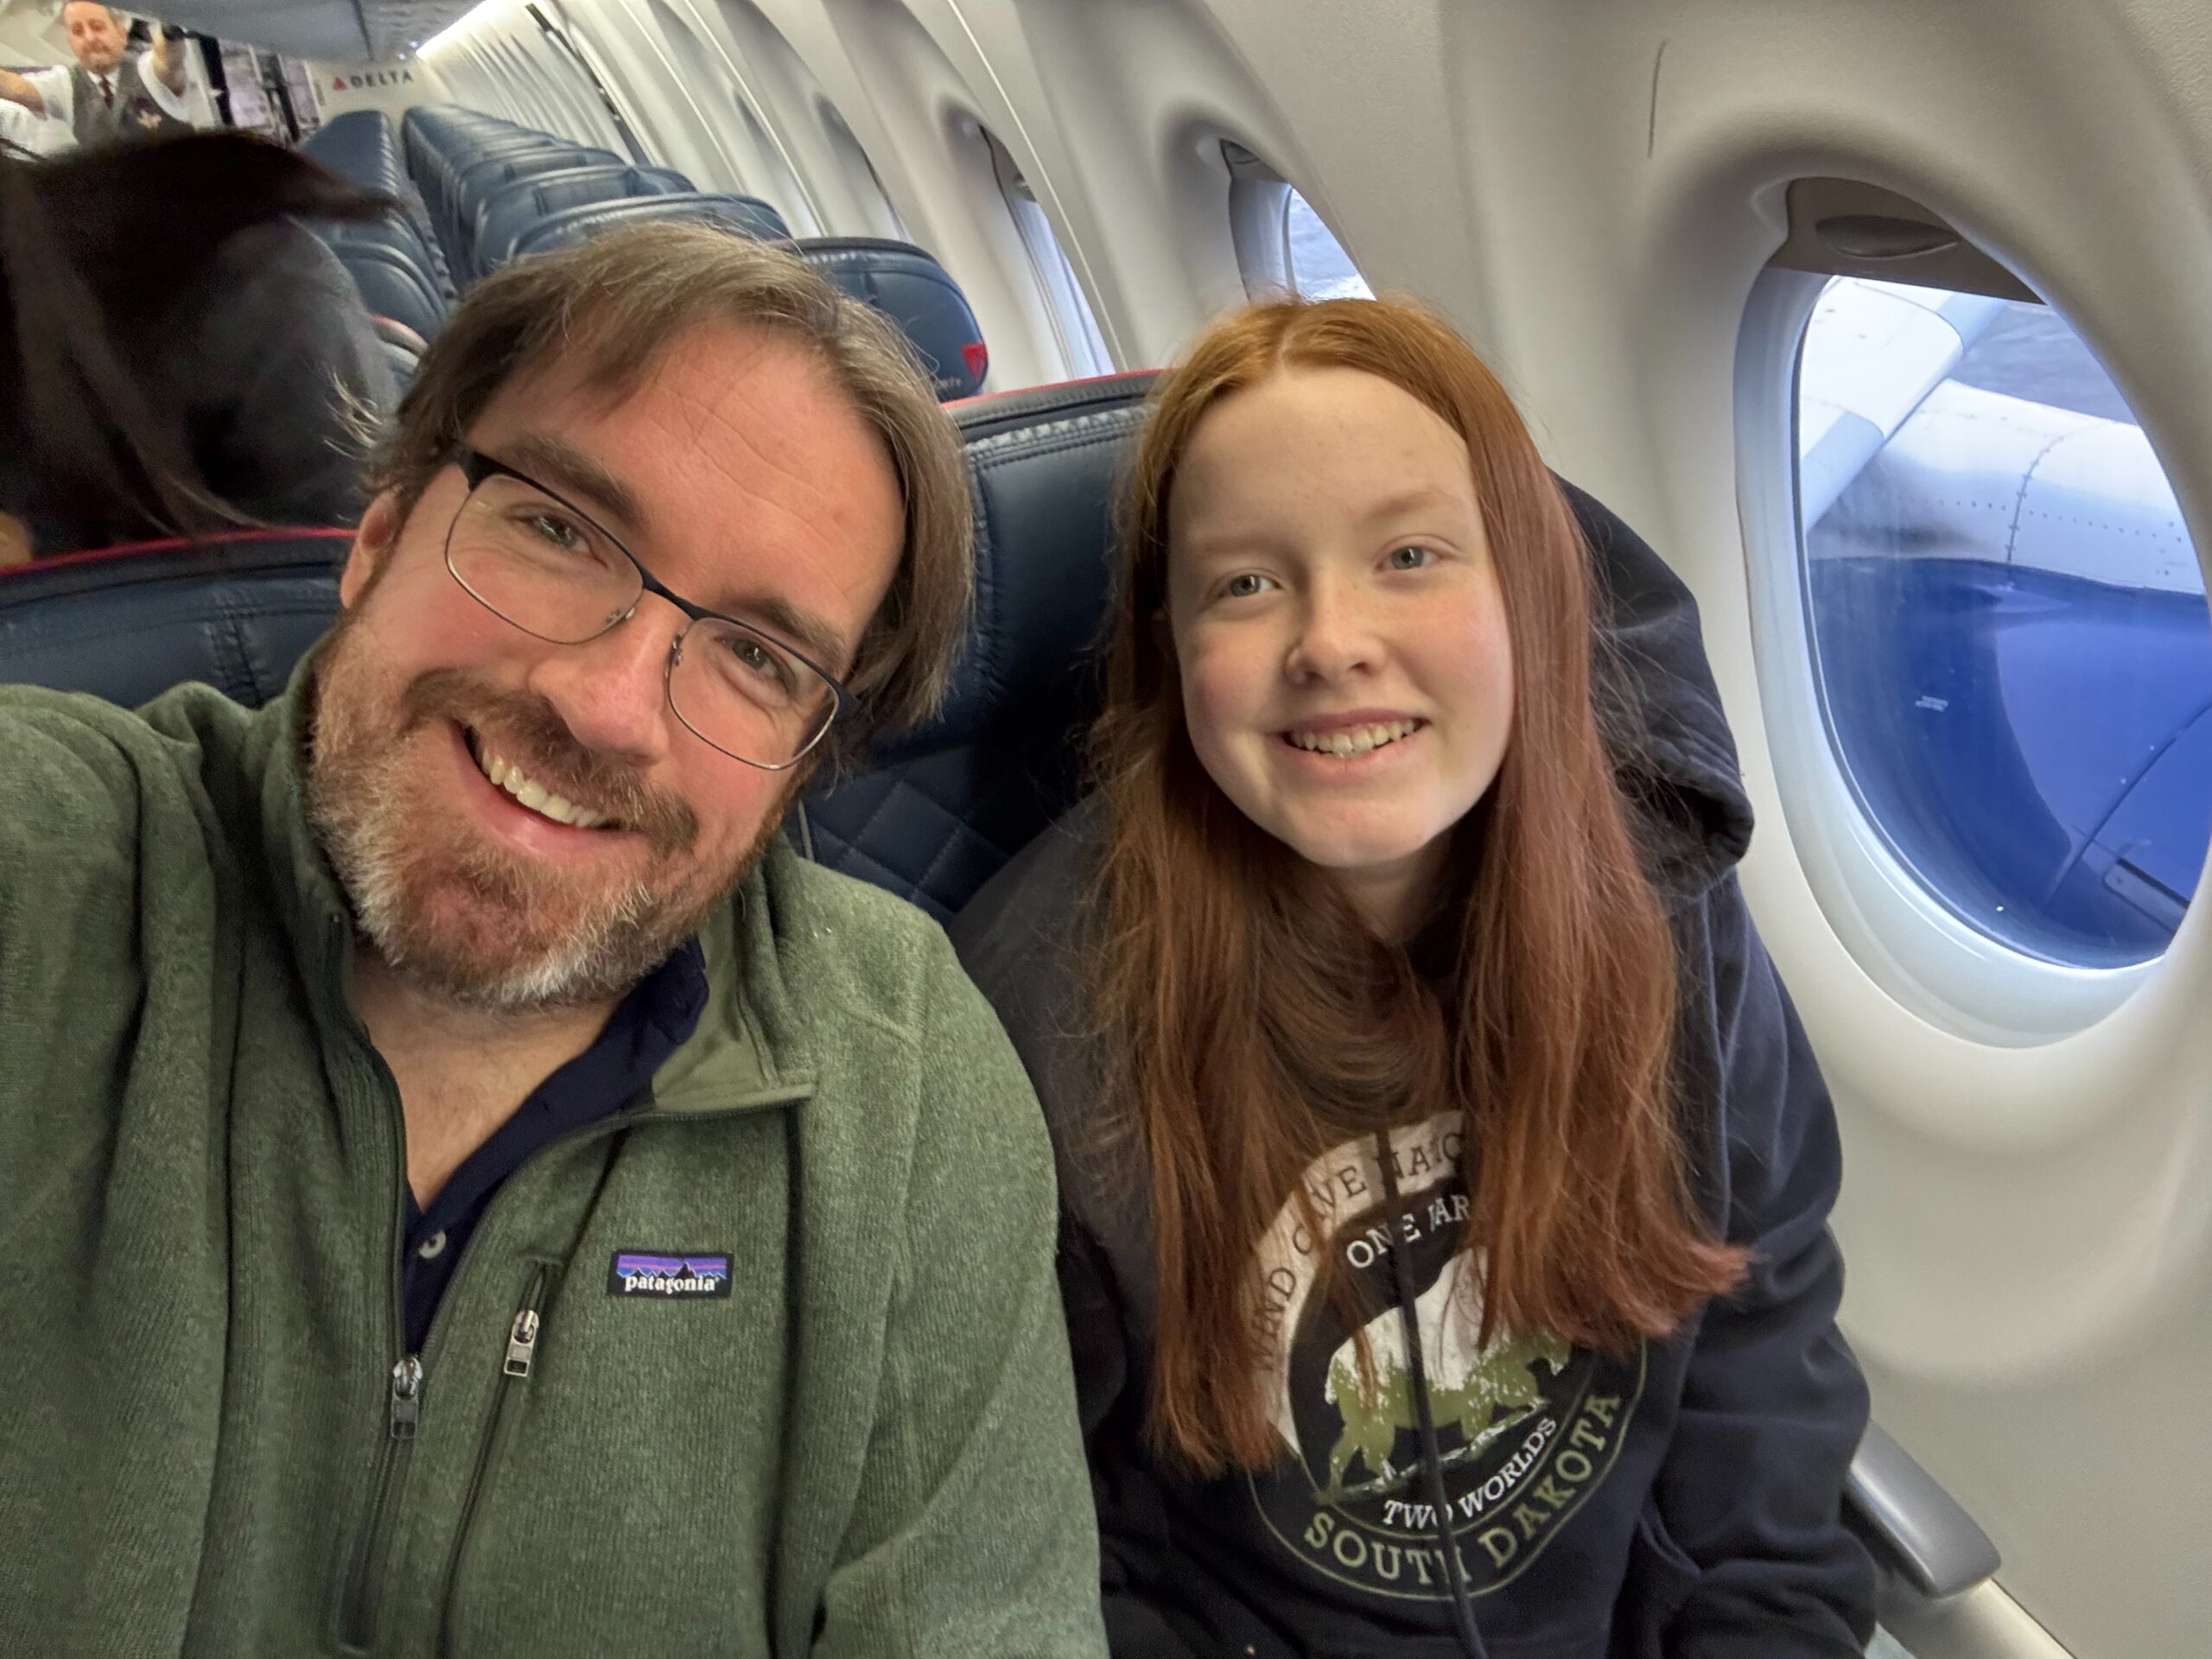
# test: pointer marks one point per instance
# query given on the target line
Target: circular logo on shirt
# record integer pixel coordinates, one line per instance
(1526, 1426)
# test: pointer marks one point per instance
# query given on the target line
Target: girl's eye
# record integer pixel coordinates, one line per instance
(1242, 587)
(1409, 558)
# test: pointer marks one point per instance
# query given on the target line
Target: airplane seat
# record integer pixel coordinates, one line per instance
(403, 348)
(932, 814)
(390, 283)
(915, 292)
(236, 611)
(480, 180)
(361, 147)
(445, 187)
(436, 157)
(502, 216)
(745, 216)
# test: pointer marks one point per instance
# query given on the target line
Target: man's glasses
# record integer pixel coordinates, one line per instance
(531, 559)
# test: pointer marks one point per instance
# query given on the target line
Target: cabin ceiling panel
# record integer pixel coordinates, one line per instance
(337, 30)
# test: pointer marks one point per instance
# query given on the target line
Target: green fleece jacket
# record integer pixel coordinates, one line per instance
(210, 1441)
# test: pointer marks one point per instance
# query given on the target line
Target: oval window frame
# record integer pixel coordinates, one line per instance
(1896, 927)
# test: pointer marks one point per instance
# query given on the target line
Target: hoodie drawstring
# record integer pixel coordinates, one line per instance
(1463, 1607)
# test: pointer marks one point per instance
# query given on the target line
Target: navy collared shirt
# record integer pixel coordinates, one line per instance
(612, 1075)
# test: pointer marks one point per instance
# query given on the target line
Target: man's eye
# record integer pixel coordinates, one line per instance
(1410, 557)
(556, 531)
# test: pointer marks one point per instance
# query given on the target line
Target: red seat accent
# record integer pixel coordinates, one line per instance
(178, 544)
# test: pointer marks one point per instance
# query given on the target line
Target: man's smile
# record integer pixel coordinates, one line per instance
(531, 793)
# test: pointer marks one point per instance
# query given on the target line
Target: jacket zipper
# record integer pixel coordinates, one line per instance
(358, 1620)
(357, 1609)
(523, 1334)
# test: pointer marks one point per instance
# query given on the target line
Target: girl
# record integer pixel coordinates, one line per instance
(1444, 1172)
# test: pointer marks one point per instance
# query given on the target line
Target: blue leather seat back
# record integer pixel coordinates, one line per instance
(478, 181)
(236, 612)
(431, 130)
(936, 813)
(745, 215)
(437, 164)
(390, 284)
(445, 191)
(919, 295)
(505, 215)
(360, 146)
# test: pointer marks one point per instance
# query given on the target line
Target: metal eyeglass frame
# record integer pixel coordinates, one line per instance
(476, 466)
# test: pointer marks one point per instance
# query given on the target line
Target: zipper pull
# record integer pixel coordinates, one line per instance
(522, 1342)
(406, 1397)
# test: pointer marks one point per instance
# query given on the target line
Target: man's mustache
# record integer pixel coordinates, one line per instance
(524, 731)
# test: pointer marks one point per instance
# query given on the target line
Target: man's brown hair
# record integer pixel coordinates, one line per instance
(609, 307)
(1258, 1021)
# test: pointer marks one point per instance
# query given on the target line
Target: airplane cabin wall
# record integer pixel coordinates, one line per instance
(1593, 192)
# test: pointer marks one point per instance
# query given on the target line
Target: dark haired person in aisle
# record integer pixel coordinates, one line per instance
(178, 354)
(107, 97)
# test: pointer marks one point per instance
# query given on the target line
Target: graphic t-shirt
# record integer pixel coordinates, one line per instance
(1527, 1426)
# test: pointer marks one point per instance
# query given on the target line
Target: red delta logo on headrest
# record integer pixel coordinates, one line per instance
(338, 82)
(977, 357)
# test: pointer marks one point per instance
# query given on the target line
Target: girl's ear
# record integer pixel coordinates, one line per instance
(374, 542)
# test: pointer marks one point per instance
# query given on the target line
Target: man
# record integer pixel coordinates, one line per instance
(107, 98)
(23, 133)
(438, 1217)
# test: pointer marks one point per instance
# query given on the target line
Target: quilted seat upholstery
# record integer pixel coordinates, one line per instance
(933, 815)
(236, 612)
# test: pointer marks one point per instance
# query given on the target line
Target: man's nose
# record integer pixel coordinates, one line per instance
(612, 691)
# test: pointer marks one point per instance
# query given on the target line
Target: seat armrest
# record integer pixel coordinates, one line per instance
(1916, 1530)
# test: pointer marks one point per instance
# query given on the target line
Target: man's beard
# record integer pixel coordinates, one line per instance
(459, 916)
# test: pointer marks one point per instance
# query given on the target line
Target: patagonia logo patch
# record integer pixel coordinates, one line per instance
(650, 1272)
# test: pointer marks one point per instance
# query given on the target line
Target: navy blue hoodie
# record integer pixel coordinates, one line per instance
(1682, 1502)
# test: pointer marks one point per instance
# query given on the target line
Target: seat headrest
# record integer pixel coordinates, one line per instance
(744, 215)
(935, 813)
(479, 180)
(358, 145)
(236, 612)
(505, 215)
(917, 293)
(392, 285)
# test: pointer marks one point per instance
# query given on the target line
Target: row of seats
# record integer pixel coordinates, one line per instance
(476, 192)
(397, 262)
(931, 815)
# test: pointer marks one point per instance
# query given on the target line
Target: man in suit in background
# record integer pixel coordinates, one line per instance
(108, 97)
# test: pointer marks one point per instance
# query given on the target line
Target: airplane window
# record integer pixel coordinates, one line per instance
(1319, 267)
(2008, 617)
(1081, 343)
(876, 201)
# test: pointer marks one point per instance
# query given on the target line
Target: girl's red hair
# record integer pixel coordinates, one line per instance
(1261, 1024)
